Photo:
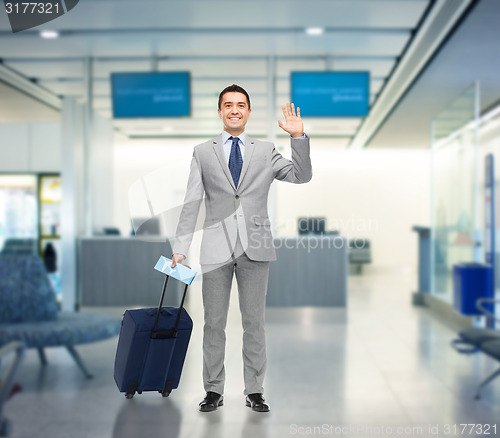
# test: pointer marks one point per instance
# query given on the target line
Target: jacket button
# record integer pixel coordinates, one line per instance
(237, 196)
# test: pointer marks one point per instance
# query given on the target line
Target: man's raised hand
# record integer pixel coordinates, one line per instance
(293, 123)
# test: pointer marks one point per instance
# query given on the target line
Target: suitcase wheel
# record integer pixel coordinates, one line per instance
(165, 393)
(139, 392)
(131, 388)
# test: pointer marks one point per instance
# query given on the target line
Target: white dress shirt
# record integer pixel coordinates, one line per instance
(226, 144)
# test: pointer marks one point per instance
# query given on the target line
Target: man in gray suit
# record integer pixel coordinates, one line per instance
(233, 173)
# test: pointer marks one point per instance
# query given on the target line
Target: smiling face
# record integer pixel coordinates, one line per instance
(234, 112)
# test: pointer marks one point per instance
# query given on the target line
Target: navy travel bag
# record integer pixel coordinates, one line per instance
(152, 347)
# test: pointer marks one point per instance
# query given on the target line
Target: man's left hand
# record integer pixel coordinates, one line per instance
(293, 123)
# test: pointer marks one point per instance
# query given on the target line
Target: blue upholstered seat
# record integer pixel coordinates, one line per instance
(28, 311)
(25, 291)
(68, 329)
(473, 340)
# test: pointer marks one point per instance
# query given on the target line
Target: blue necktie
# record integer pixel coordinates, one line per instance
(235, 160)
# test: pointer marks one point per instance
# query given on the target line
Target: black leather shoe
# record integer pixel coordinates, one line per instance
(211, 402)
(257, 402)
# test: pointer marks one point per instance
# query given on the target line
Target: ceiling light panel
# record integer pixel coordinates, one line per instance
(47, 69)
(208, 14)
(104, 68)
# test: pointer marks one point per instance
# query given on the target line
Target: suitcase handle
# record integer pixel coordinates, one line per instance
(170, 333)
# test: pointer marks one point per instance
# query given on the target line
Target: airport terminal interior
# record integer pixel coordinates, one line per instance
(382, 308)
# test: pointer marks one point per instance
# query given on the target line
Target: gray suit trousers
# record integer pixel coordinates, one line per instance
(252, 278)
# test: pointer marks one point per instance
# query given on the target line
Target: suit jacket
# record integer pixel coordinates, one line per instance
(242, 210)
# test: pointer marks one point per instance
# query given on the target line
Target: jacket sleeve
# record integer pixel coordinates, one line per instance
(298, 170)
(190, 209)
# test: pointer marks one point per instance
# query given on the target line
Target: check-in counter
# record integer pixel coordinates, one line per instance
(310, 271)
(118, 271)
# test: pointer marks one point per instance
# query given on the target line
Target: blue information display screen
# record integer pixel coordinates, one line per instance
(331, 94)
(151, 94)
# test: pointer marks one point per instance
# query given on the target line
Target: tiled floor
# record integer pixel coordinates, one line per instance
(384, 370)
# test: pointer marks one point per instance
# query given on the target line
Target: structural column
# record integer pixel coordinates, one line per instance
(71, 205)
(271, 133)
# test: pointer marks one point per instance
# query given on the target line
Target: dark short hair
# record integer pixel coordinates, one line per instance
(233, 89)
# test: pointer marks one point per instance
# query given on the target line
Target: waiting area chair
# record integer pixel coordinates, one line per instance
(29, 311)
(474, 340)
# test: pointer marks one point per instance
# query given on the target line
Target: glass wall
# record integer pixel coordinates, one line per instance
(489, 138)
(455, 191)
(50, 192)
(30, 219)
(18, 212)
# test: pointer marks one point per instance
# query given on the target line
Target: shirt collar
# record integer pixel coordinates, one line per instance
(226, 135)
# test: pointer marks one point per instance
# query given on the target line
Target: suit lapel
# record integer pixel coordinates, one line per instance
(217, 145)
(249, 148)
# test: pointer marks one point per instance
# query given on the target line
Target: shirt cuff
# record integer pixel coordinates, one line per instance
(302, 136)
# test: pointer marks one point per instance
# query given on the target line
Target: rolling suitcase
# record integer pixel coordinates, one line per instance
(152, 347)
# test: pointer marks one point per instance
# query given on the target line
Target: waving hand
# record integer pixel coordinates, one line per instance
(293, 123)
